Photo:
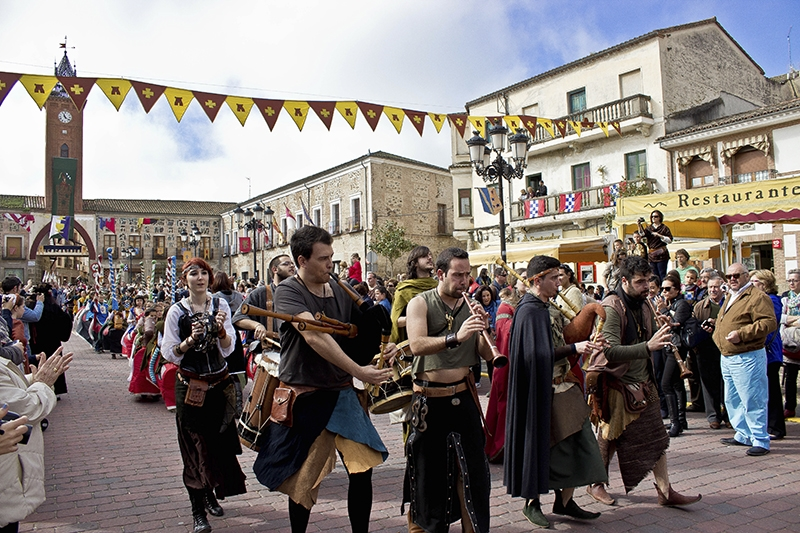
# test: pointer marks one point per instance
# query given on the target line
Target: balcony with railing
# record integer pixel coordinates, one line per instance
(353, 224)
(636, 106)
(580, 201)
(334, 227)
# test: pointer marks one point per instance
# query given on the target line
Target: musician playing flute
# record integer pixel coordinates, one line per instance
(636, 435)
(297, 452)
(198, 336)
(447, 476)
(549, 441)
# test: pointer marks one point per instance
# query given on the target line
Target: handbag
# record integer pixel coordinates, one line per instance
(657, 255)
(282, 404)
(790, 337)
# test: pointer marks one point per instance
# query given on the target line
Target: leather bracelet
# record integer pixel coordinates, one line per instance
(451, 341)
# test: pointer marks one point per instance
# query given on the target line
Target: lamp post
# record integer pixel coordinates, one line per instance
(480, 152)
(191, 239)
(130, 252)
(253, 224)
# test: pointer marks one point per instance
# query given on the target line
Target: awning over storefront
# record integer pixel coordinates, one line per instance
(698, 213)
(571, 250)
(698, 250)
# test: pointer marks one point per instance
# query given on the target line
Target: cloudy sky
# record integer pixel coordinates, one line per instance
(417, 54)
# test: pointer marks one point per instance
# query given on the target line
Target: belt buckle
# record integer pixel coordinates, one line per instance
(452, 389)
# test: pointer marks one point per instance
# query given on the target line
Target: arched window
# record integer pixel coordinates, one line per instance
(64, 150)
(699, 173)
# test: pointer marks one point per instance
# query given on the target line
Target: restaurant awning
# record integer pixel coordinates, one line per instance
(570, 250)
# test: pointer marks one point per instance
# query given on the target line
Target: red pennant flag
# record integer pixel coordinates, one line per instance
(7, 81)
(245, 246)
(586, 123)
(606, 196)
(148, 93)
(324, 111)
(417, 119)
(459, 121)
(561, 125)
(372, 113)
(270, 109)
(615, 125)
(77, 89)
(529, 123)
(210, 102)
(495, 121)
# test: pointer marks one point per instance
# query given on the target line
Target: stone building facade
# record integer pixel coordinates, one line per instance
(349, 200)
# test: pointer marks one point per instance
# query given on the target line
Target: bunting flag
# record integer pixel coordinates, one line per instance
(569, 202)
(240, 106)
(547, 124)
(561, 126)
(490, 200)
(417, 119)
(7, 81)
(576, 126)
(348, 110)
(529, 123)
(459, 121)
(147, 93)
(25, 220)
(77, 89)
(39, 87)
(371, 112)
(603, 126)
(306, 216)
(145, 222)
(324, 111)
(108, 224)
(211, 103)
(587, 124)
(245, 246)
(277, 230)
(60, 227)
(298, 111)
(610, 195)
(115, 90)
(262, 229)
(534, 207)
(438, 121)
(513, 122)
(270, 109)
(479, 123)
(615, 125)
(395, 116)
(178, 100)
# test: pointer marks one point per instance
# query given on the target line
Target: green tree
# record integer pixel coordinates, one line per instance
(389, 240)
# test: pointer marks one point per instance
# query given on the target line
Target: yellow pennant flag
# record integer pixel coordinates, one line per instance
(395, 115)
(298, 111)
(513, 122)
(349, 111)
(438, 120)
(479, 123)
(576, 126)
(115, 90)
(240, 106)
(547, 124)
(39, 87)
(179, 100)
(603, 126)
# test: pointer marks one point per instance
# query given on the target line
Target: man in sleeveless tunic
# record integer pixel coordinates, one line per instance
(549, 440)
(447, 474)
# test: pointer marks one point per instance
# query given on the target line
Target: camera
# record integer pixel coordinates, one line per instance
(13, 416)
(707, 324)
(641, 220)
(8, 297)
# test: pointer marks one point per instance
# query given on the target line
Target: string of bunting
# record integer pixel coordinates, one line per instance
(117, 90)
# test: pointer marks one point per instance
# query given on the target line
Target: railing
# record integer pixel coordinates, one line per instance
(631, 107)
(591, 198)
(352, 224)
(334, 228)
(749, 177)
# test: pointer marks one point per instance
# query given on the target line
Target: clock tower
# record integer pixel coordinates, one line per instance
(63, 149)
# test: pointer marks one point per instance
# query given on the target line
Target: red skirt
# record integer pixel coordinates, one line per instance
(496, 415)
(167, 384)
(140, 377)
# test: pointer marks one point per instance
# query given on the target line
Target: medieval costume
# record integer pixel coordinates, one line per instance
(498, 397)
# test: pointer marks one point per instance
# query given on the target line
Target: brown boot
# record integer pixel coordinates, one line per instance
(598, 492)
(675, 499)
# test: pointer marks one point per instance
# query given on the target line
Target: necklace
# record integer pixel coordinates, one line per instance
(452, 312)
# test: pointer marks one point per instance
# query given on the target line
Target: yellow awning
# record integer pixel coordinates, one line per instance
(572, 250)
(698, 250)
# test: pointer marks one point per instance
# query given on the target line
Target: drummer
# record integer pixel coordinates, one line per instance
(326, 417)
(281, 267)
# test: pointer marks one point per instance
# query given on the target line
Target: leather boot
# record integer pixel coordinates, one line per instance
(682, 410)
(675, 428)
(211, 503)
(197, 497)
(675, 499)
(571, 509)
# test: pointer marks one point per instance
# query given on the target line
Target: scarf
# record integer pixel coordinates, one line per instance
(403, 294)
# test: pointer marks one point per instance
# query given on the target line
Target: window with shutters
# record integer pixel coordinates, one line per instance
(750, 164)
(699, 173)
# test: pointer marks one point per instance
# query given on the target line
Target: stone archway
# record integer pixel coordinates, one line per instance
(43, 234)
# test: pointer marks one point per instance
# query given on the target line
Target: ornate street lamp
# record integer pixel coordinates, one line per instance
(255, 225)
(130, 252)
(480, 152)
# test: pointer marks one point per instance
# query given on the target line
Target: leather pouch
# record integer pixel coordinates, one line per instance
(196, 395)
(635, 397)
(282, 404)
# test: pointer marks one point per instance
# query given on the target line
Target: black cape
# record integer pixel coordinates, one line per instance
(530, 398)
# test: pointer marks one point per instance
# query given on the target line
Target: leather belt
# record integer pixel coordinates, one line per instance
(211, 379)
(441, 392)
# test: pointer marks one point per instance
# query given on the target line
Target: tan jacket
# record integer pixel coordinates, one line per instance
(752, 315)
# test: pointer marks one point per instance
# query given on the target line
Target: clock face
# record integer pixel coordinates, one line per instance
(65, 116)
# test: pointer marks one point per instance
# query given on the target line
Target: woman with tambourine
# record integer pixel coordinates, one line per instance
(198, 336)
(658, 236)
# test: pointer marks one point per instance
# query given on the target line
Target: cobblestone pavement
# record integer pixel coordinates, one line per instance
(113, 465)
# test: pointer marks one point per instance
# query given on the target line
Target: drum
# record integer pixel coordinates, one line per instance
(258, 406)
(395, 394)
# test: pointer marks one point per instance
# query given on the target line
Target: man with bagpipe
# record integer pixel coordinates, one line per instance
(315, 410)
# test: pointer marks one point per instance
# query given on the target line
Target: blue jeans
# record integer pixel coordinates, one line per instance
(746, 396)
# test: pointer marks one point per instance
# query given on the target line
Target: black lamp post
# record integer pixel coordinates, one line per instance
(130, 252)
(480, 154)
(253, 224)
(192, 239)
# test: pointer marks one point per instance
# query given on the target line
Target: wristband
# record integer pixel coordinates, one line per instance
(450, 341)
(222, 334)
(574, 349)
